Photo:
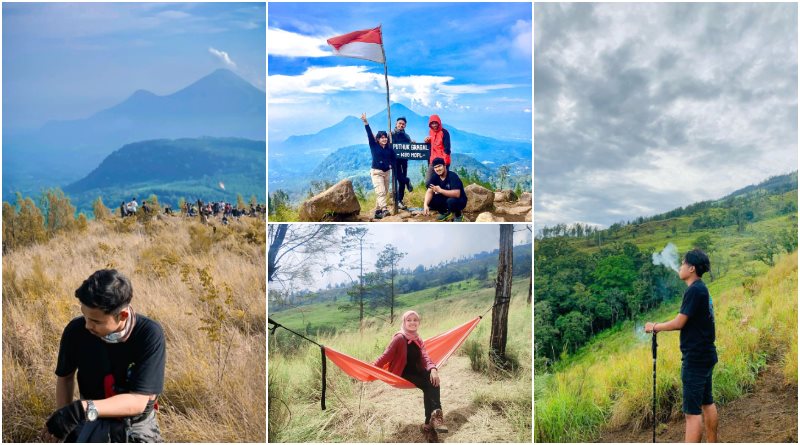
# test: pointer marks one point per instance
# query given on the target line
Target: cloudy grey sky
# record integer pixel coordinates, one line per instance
(642, 108)
(426, 244)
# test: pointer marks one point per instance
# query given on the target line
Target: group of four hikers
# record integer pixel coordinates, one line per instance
(445, 192)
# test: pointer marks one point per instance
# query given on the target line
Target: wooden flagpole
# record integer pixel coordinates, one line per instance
(389, 118)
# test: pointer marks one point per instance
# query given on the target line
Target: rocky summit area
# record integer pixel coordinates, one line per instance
(339, 203)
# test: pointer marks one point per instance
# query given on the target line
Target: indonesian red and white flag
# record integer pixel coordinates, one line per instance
(366, 44)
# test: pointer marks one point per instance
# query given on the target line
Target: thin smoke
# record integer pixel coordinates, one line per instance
(668, 257)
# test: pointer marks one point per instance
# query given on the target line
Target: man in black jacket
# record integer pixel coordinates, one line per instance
(401, 181)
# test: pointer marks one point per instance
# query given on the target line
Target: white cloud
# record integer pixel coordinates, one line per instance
(521, 38)
(427, 91)
(290, 44)
(223, 56)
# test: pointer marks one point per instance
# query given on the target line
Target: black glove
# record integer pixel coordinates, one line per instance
(65, 419)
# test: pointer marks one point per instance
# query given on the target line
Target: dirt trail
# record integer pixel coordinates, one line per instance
(402, 414)
(769, 414)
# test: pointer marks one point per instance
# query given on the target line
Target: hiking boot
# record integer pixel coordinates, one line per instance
(378, 214)
(430, 433)
(445, 217)
(437, 420)
(402, 206)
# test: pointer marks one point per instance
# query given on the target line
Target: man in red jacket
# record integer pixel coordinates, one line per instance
(439, 138)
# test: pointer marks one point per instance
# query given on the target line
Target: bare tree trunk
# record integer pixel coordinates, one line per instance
(391, 306)
(361, 286)
(530, 289)
(502, 297)
(274, 247)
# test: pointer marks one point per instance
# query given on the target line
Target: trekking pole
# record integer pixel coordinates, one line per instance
(655, 355)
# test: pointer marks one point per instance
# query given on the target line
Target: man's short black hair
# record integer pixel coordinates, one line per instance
(401, 118)
(699, 260)
(107, 290)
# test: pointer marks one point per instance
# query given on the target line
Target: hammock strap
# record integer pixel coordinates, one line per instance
(499, 302)
(276, 325)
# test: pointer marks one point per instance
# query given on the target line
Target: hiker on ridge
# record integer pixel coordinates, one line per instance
(118, 357)
(439, 138)
(406, 356)
(382, 159)
(399, 136)
(696, 323)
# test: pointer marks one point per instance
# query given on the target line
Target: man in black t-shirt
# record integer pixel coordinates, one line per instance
(445, 193)
(696, 323)
(119, 357)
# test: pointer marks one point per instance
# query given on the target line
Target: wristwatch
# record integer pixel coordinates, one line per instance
(91, 411)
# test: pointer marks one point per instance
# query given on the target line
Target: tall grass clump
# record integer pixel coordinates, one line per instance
(213, 391)
(609, 382)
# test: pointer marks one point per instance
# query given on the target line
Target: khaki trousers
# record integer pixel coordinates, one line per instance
(380, 182)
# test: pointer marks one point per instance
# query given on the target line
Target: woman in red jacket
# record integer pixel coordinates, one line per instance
(406, 357)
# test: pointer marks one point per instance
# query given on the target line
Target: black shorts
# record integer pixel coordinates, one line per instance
(696, 387)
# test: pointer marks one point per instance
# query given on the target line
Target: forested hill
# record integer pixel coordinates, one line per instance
(742, 207)
(481, 267)
(191, 168)
(589, 280)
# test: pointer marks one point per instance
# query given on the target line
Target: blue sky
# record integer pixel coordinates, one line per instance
(70, 60)
(468, 62)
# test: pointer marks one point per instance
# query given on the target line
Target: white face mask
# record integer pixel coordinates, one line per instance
(121, 336)
(115, 337)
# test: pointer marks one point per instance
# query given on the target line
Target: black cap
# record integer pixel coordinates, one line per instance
(437, 161)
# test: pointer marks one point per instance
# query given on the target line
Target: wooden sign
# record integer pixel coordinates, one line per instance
(412, 152)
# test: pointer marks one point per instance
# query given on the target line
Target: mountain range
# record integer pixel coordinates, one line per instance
(341, 151)
(220, 104)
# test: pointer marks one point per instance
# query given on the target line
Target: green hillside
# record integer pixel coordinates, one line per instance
(176, 168)
(589, 378)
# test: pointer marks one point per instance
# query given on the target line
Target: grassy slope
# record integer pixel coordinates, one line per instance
(196, 406)
(294, 368)
(608, 382)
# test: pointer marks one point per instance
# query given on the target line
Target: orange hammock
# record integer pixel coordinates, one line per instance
(439, 348)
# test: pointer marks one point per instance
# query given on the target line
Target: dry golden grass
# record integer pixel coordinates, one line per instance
(213, 390)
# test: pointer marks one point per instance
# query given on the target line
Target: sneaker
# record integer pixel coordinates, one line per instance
(378, 214)
(430, 433)
(437, 420)
(458, 218)
(402, 206)
(445, 217)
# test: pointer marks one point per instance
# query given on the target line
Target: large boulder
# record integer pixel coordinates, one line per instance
(479, 199)
(488, 217)
(517, 210)
(504, 196)
(526, 198)
(337, 202)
